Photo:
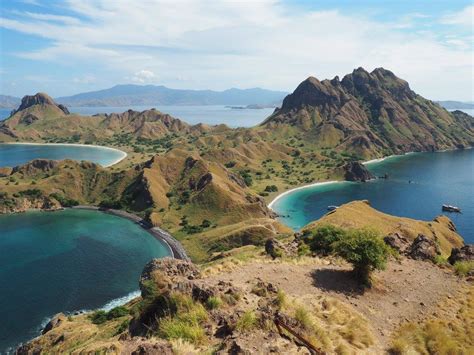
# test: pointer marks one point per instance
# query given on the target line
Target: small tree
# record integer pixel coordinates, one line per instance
(365, 250)
(321, 240)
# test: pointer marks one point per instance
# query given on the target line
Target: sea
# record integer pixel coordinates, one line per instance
(418, 185)
(207, 114)
(66, 261)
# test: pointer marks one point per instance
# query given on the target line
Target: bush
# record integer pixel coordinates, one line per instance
(322, 239)
(115, 204)
(213, 302)
(230, 164)
(247, 322)
(205, 223)
(34, 193)
(64, 201)
(463, 268)
(365, 250)
(101, 316)
(271, 188)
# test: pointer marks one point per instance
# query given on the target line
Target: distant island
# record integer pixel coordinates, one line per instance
(456, 105)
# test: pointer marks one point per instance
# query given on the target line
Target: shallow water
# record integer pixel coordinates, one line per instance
(436, 179)
(66, 261)
(17, 154)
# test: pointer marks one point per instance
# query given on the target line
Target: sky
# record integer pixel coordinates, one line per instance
(71, 46)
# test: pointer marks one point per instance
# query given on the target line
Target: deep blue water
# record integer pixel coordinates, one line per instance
(64, 261)
(208, 114)
(437, 178)
(17, 154)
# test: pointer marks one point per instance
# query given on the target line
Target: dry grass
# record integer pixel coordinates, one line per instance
(329, 324)
(452, 334)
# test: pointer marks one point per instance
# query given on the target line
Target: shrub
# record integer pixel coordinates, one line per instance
(271, 188)
(247, 322)
(365, 250)
(34, 193)
(213, 302)
(230, 164)
(205, 223)
(115, 204)
(64, 201)
(322, 239)
(463, 268)
(101, 316)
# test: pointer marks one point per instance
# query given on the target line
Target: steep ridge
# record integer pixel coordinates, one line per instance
(371, 114)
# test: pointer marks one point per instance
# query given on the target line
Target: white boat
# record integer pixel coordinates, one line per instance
(449, 208)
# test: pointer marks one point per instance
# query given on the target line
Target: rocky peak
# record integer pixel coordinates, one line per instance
(313, 92)
(39, 99)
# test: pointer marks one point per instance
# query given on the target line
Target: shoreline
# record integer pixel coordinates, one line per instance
(123, 154)
(372, 161)
(176, 249)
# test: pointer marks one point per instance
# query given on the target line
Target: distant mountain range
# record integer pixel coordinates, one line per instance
(456, 105)
(135, 95)
(138, 95)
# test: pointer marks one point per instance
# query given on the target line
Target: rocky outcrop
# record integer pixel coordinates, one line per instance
(39, 99)
(397, 242)
(23, 204)
(168, 275)
(465, 253)
(355, 171)
(423, 248)
(54, 322)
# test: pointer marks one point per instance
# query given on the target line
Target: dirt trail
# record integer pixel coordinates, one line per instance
(407, 290)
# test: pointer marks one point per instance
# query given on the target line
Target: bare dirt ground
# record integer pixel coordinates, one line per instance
(407, 290)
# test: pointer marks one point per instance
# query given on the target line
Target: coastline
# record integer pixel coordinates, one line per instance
(176, 249)
(377, 160)
(123, 154)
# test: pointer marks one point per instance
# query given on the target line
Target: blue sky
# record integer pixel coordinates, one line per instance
(67, 47)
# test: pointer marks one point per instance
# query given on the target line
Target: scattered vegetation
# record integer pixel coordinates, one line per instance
(464, 268)
(101, 316)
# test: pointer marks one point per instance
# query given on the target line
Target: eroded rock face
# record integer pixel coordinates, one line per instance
(39, 99)
(355, 171)
(466, 253)
(274, 248)
(168, 274)
(55, 322)
(423, 248)
(397, 242)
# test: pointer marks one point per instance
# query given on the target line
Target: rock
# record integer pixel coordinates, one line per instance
(397, 242)
(162, 348)
(274, 248)
(423, 248)
(355, 171)
(55, 322)
(465, 253)
(168, 274)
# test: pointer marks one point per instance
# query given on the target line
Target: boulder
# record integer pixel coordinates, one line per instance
(423, 248)
(168, 274)
(274, 248)
(465, 253)
(397, 242)
(55, 322)
(355, 171)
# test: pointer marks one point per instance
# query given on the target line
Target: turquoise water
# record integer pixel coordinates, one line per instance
(437, 178)
(66, 261)
(208, 114)
(17, 154)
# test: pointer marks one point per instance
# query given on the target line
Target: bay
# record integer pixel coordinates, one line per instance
(418, 185)
(66, 261)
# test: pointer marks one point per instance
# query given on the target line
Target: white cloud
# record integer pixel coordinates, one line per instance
(143, 76)
(87, 79)
(465, 17)
(209, 44)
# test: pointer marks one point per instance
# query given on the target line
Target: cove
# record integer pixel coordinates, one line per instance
(436, 178)
(13, 154)
(66, 261)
